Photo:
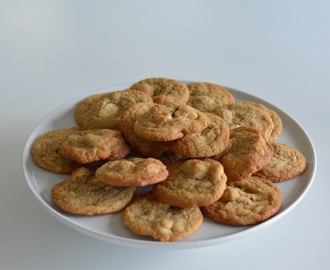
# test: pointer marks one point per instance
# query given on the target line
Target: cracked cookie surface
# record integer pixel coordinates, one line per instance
(209, 142)
(145, 147)
(206, 96)
(192, 182)
(45, 151)
(169, 122)
(148, 216)
(286, 163)
(104, 110)
(132, 171)
(244, 114)
(248, 151)
(84, 194)
(277, 121)
(91, 145)
(163, 90)
(247, 202)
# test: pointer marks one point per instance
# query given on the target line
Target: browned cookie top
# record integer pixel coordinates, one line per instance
(84, 194)
(132, 171)
(192, 182)
(163, 90)
(206, 96)
(246, 202)
(209, 142)
(145, 147)
(169, 122)
(45, 151)
(244, 114)
(248, 151)
(149, 217)
(286, 163)
(92, 145)
(276, 118)
(104, 110)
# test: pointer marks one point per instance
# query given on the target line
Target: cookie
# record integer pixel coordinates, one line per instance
(84, 194)
(163, 90)
(276, 118)
(206, 143)
(45, 151)
(248, 151)
(191, 183)
(206, 96)
(132, 172)
(147, 216)
(247, 202)
(104, 110)
(145, 147)
(92, 145)
(286, 163)
(243, 114)
(169, 122)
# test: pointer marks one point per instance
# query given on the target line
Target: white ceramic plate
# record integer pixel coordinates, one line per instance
(109, 227)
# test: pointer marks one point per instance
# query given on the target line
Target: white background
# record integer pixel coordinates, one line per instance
(54, 51)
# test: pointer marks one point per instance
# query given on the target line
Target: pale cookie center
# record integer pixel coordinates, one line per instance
(159, 114)
(114, 141)
(108, 109)
(123, 167)
(229, 117)
(190, 114)
(230, 194)
(162, 118)
(195, 170)
(152, 168)
(205, 100)
(166, 226)
(93, 140)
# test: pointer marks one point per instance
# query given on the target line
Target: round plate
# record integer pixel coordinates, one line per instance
(109, 227)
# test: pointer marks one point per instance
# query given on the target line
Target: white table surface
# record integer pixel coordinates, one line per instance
(54, 51)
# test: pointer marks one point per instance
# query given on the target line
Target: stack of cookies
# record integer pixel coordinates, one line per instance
(200, 154)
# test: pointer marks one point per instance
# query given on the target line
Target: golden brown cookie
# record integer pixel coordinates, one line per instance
(92, 145)
(84, 194)
(169, 122)
(149, 217)
(276, 118)
(286, 163)
(163, 90)
(191, 183)
(246, 202)
(45, 151)
(243, 114)
(132, 171)
(104, 110)
(208, 96)
(248, 151)
(145, 147)
(206, 143)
